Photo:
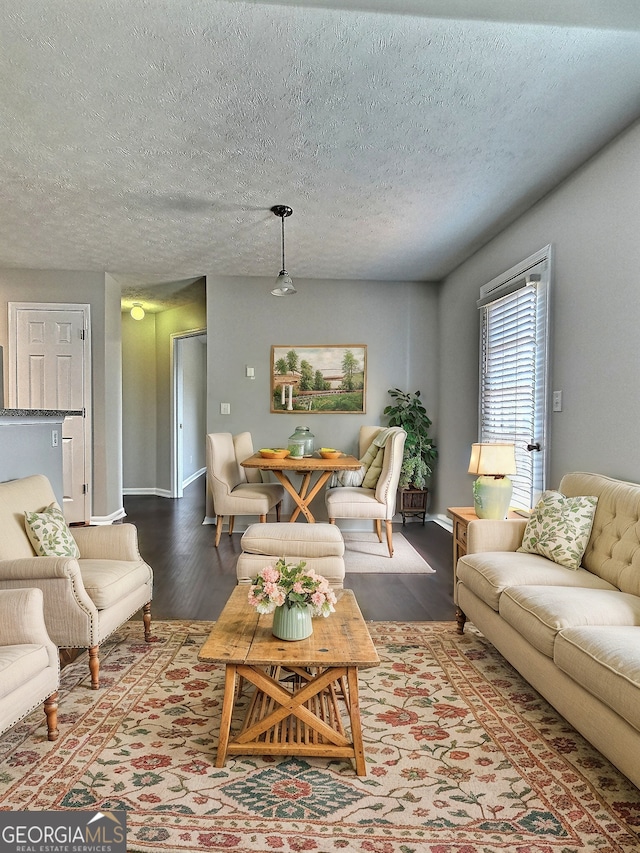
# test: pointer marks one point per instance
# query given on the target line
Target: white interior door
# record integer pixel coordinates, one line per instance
(50, 369)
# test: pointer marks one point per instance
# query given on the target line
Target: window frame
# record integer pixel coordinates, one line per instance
(535, 271)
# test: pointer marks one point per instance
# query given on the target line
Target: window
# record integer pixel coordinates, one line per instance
(514, 356)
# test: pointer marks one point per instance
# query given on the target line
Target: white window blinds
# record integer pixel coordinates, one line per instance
(513, 373)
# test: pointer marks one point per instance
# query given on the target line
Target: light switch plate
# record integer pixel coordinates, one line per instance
(225, 408)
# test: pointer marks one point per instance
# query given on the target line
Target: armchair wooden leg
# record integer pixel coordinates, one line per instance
(461, 618)
(377, 526)
(219, 521)
(231, 520)
(51, 711)
(146, 619)
(389, 537)
(94, 667)
(332, 521)
(262, 518)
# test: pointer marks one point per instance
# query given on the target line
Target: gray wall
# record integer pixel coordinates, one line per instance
(593, 222)
(397, 321)
(139, 430)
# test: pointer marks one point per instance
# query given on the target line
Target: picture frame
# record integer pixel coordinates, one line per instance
(325, 379)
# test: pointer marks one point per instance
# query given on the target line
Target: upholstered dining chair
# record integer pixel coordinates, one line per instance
(377, 501)
(234, 490)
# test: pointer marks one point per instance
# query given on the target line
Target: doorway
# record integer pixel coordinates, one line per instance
(189, 399)
(50, 368)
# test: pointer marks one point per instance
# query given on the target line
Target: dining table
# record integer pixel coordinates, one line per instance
(306, 466)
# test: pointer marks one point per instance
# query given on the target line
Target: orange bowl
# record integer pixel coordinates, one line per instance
(331, 454)
(275, 453)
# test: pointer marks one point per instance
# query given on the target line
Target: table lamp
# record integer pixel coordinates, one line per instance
(492, 490)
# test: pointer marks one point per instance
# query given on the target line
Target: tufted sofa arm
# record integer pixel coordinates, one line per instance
(108, 542)
(495, 535)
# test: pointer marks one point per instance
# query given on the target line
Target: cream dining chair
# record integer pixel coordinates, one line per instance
(234, 490)
(379, 502)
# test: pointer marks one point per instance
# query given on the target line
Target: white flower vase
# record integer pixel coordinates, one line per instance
(292, 623)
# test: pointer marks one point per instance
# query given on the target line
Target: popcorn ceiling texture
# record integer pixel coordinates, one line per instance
(150, 139)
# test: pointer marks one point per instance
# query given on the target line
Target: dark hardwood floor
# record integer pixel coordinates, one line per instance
(193, 579)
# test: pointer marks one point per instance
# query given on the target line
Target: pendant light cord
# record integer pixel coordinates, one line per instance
(283, 242)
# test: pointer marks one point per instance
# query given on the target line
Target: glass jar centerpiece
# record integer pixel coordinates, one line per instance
(304, 434)
(293, 594)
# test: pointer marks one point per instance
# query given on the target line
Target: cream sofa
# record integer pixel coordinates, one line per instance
(85, 599)
(29, 663)
(573, 634)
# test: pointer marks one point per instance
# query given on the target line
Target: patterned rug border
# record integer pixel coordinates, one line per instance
(484, 725)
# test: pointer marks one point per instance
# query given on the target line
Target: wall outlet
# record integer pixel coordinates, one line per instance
(557, 401)
(225, 408)
(54, 438)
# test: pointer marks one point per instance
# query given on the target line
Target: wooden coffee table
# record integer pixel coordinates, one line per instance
(301, 687)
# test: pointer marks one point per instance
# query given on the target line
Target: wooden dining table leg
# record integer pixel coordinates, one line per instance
(300, 502)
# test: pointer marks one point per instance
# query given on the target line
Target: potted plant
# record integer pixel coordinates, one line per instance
(420, 452)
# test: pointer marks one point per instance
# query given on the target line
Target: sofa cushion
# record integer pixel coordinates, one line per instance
(559, 528)
(606, 662)
(488, 573)
(49, 533)
(539, 613)
(108, 581)
(19, 664)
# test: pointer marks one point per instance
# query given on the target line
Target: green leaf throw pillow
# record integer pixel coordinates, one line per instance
(49, 533)
(559, 528)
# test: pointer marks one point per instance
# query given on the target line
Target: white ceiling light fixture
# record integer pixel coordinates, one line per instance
(284, 284)
(137, 312)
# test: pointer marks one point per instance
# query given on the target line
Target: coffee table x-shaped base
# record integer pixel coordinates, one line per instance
(305, 720)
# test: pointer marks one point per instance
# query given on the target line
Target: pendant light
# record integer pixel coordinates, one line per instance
(137, 312)
(284, 284)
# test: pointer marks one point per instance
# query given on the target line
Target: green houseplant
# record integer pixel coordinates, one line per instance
(420, 452)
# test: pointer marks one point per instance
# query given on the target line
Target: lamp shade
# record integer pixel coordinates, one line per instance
(493, 459)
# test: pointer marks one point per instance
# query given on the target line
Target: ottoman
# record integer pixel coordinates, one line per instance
(321, 546)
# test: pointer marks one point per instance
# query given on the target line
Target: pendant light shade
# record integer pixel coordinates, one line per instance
(284, 284)
(137, 312)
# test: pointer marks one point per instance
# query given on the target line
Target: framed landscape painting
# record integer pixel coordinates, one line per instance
(322, 379)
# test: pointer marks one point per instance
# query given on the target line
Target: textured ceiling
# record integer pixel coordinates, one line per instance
(149, 138)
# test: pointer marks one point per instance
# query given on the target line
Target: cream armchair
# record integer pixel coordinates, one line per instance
(86, 598)
(235, 491)
(29, 662)
(377, 503)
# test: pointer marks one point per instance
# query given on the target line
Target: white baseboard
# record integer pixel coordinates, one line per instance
(443, 521)
(158, 493)
(193, 477)
(108, 519)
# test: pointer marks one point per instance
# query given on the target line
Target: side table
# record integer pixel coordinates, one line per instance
(461, 516)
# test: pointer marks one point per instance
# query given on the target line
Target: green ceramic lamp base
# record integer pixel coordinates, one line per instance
(492, 496)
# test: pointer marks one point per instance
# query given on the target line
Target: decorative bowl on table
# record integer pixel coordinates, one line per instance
(274, 452)
(330, 453)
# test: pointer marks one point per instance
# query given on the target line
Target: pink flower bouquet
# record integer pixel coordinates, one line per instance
(293, 586)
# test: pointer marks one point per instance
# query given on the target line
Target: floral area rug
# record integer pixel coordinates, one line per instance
(462, 756)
